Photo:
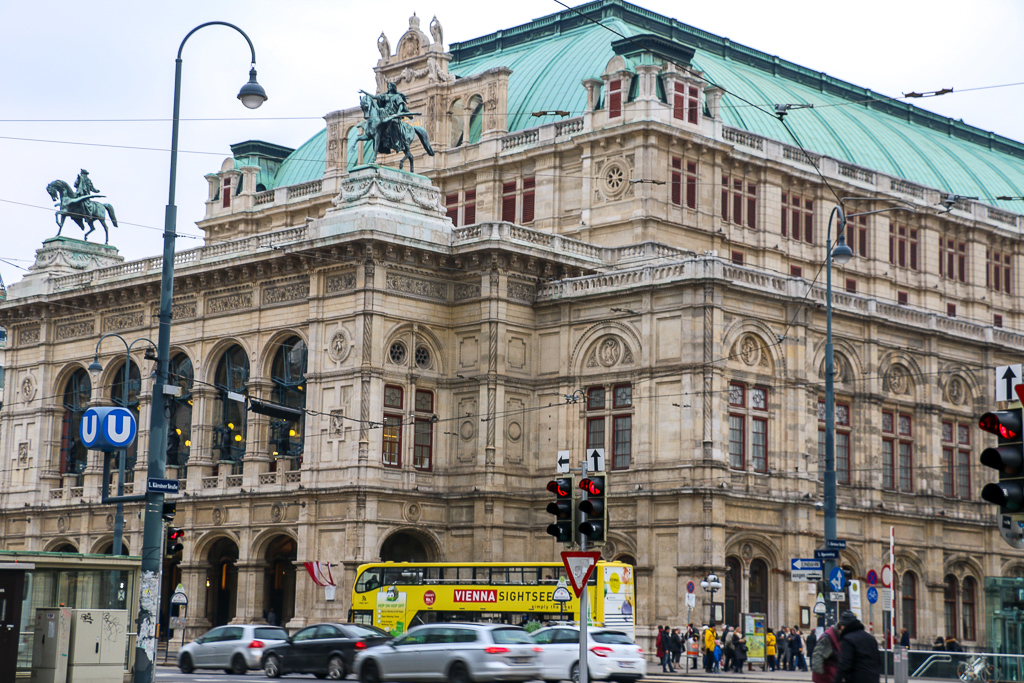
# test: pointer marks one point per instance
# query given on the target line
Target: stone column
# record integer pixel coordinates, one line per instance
(193, 578)
(249, 610)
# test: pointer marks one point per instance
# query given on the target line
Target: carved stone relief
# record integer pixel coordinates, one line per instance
(608, 352)
(184, 309)
(124, 321)
(465, 290)
(340, 345)
(521, 291)
(231, 302)
(29, 335)
(956, 392)
(337, 426)
(293, 291)
(76, 329)
(28, 388)
(340, 283)
(417, 286)
(23, 453)
(897, 380)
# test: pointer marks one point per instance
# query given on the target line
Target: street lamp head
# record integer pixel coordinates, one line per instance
(95, 369)
(842, 253)
(252, 93)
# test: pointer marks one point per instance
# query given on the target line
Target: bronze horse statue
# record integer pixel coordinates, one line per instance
(81, 210)
(389, 133)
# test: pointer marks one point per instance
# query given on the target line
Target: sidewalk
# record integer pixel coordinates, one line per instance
(654, 673)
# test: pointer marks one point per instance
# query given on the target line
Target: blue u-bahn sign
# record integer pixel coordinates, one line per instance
(108, 428)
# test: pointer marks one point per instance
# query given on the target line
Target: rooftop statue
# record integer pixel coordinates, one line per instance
(78, 203)
(386, 128)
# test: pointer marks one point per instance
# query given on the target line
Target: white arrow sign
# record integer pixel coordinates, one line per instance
(562, 463)
(1007, 377)
(595, 459)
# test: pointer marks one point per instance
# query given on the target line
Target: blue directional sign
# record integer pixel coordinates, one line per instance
(797, 564)
(162, 486)
(837, 579)
(108, 428)
(872, 595)
(826, 554)
(835, 543)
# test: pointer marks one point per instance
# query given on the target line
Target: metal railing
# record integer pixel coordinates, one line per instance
(965, 666)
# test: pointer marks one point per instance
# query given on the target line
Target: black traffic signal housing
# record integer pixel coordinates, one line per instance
(563, 510)
(174, 538)
(170, 509)
(1007, 458)
(595, 529)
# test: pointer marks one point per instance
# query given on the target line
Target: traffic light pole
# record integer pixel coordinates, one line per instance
(583, 661)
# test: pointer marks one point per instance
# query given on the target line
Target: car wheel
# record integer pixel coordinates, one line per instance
(369, 673)
(185, 664)
(458, 673)
(272, 667)
(336, 668)
(574, 673)
(238, 665)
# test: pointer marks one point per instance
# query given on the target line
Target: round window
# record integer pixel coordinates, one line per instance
(397, 353)
(423, 357)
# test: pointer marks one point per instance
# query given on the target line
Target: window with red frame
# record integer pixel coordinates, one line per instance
(391, 450)
(851, 285)
(953, 259)
(997, 320)
(461, 207)
(956, 459)
(508, 201)
(902, 246)
(796, 271)
(226, 194)
(797, 217)
(842, 441)
(901, 298)
(857, 235)
(950, 589)
(748, 412)
(693, 104)
(739, 201)
(686, 103)
(423, 431)
(997, 270)
(677, 183)
(908, 592)
(614, 98)
(616, 413)
(897, 451)
(529, 191)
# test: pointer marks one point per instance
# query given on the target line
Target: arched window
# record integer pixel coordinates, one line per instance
(230, 417)
(733, 573)
(909, 602)
(968, 593)
(456, 123)
(124, 392)
(73, 453)
(288, 374)
(476, 118)
(949, 605)
(758, 597)
(179, 435)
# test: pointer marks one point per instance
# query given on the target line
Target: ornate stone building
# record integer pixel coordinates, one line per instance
(642, 273)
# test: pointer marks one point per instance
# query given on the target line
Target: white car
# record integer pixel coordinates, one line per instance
(612, 656)
(234, 648)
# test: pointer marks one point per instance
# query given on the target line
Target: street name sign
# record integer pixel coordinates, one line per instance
(820, 554)
(1007, 378)
(108, 428)
(579, 565)
(595, 459)
(805, 570)
(162, 485)
(562, 463)
(835, 544)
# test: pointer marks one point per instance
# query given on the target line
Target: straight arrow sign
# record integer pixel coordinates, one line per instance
(1007, 379)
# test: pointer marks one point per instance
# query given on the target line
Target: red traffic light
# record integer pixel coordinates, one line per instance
(561, 487)
(1003, 423)
(176, 534)
(593, 487)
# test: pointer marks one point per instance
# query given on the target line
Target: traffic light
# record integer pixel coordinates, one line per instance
(174, 538)
(595, 529)
(1007, 457)
(169, 510)
(561, 507)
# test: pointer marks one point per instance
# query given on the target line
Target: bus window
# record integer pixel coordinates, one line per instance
(434, 574)
(369, 580)
(463, 575)
(499, 576)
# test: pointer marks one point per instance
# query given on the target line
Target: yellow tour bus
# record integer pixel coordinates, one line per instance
(396, 595)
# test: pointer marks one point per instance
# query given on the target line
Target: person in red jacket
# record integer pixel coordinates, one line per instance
(825, 658)
(659, 645)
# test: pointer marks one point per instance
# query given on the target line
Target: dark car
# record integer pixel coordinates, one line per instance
(326, 650)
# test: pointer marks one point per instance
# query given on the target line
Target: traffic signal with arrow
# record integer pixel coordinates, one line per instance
(562, 508)
(595, 529)
(174, 538)
(1007, 458)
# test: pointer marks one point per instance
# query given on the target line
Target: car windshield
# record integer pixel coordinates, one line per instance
(505, 636)
(611, 637)
(265, 633)
(361, 631)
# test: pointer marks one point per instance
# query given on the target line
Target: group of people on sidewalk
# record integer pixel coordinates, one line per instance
(844, 653)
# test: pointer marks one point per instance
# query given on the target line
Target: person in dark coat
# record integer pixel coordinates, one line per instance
(796, 650)
(859, 661)
(675, 648)
(739, 652)
(904, 637)
(939, 645)
(809, 642)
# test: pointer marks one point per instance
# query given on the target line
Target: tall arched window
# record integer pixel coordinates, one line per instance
(476, 118)
(968, 595)
(758, 597)
(124, 392)
(733, 573)
(179, 435)
(949, 605)
(908, 584)
(73, 453)
(288, 374)
(230, 418)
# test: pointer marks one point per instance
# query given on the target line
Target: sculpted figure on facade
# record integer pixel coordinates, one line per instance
(77, 203)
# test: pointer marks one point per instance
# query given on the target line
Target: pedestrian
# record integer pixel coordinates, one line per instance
(692, 648)
(709, 647)
(769, 649)
(809, 643)
(675, 646)
(739, 647)
(904, 637)
(783, 647)
(659, 647)
(272, 617)
(796, 650)
(859, 661)
(952, 645)
(825, 659)
(718, 656)
(727, 647)
(939, 645)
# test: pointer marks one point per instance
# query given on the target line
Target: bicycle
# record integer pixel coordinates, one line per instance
(976, 668)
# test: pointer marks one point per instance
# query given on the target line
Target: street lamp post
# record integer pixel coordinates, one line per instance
(842, 254)
(711, 584)
(252, 96)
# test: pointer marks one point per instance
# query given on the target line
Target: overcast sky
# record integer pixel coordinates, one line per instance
(115, 60)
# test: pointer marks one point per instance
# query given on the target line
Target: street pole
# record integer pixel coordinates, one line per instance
(584, 621)
(252, 96)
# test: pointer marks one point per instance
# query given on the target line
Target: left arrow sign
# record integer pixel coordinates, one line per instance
(562, 463)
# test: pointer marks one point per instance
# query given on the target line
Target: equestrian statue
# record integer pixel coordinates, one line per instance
(386, 128)
(77, 203)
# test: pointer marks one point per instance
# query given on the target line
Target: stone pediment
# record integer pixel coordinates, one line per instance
(418, 59)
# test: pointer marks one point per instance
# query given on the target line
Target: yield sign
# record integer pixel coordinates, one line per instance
(579, 565)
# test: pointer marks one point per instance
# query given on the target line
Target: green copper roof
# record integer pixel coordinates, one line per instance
(551, 56)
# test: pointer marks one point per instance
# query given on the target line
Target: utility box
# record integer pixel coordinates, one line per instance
(98, 641)
(50, 645)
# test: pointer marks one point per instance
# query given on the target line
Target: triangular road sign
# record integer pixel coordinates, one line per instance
(579, 565)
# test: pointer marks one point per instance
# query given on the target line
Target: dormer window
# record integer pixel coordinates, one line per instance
(226, 194)
(614, 98)
(686, 103)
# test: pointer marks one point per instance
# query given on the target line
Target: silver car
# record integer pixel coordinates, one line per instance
(235, 649)
(459, 653)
